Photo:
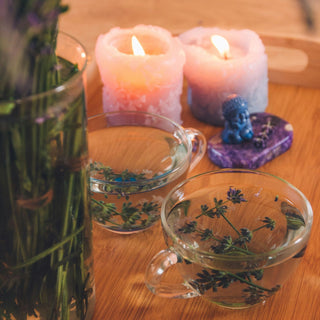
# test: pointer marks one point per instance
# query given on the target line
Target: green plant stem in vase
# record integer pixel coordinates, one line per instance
(45, 229)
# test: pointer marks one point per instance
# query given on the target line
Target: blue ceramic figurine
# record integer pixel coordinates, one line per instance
(238, 127)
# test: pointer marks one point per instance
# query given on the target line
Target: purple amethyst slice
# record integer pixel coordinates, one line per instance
(272, 137)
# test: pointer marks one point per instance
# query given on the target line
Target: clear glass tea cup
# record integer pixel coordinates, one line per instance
(136, 159)
(234, 235)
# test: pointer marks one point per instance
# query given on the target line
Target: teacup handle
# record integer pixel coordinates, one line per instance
(155, 272)
(199, 146)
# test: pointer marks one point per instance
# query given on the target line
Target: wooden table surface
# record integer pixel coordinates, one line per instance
(120, 261)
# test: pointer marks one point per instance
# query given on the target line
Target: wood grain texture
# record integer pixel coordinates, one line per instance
(87, 19)
(120, 261)
(303, 66)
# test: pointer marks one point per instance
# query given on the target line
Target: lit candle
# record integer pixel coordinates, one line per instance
(141, 69)
(220, 63)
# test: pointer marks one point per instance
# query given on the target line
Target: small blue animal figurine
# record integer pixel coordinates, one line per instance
(238, 127)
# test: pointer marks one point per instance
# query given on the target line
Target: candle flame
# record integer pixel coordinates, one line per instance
(222, 45)
(137, 47)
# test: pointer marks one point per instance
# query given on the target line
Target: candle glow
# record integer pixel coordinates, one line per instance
(241, 68)
(221, 45)
(141, 75)
(137, 48)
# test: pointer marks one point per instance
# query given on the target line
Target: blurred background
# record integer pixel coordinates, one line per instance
(87, 19)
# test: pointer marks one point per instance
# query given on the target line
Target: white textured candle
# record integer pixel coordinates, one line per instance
(213, 77)
(151, 82)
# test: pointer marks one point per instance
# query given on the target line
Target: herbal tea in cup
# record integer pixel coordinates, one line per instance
(234, 235)
(136, 158)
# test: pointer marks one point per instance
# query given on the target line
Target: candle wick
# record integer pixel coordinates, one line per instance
(226, 56)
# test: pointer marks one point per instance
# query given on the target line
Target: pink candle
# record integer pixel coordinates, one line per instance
(141, 69)
(240, 68)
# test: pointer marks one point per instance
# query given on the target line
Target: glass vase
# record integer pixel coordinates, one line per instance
(46, 266)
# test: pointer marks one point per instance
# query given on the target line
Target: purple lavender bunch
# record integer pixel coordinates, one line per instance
(44, 234)
(28, 31)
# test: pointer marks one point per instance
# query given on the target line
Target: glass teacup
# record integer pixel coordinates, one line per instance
(137, 157)
(235, 236)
